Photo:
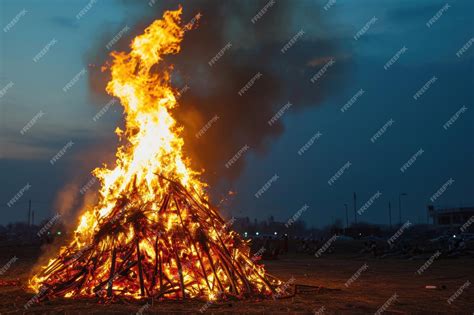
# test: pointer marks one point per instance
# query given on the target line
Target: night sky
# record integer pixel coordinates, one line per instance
(423, 38)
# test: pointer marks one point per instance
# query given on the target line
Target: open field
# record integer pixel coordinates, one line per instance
(379, 281)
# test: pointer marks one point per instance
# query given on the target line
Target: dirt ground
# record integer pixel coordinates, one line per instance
(393, 282)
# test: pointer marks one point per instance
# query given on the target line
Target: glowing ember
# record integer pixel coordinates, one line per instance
(152, 232)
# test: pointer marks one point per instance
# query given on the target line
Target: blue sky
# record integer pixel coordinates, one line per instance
(302, 179)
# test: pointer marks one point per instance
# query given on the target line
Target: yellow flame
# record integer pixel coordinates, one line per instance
(152, 147)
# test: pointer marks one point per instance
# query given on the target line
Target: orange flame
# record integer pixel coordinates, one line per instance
(153, 150)
(147, 97)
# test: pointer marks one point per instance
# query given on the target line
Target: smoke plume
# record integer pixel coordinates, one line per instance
(245, 64)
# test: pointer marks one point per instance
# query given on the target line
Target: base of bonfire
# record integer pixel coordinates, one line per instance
(177, 247)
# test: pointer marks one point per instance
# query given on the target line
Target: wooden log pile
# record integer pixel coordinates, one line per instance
(174, 247)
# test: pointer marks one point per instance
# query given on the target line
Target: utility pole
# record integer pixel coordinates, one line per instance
(355, 206)
(29, 212)
(347, 216)
(400, 207)
(390, 214)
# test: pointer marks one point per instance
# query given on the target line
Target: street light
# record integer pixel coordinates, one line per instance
(400, 207)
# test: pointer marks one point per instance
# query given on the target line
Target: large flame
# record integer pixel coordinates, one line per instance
(152, 151)
(154, 145)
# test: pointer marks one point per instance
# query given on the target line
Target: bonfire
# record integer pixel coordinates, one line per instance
(153, 232)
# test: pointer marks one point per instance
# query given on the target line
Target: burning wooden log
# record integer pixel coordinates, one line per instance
(152, 235)
(190, 258)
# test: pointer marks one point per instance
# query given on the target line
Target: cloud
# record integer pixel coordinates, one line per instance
(11, 150)
(44, 144)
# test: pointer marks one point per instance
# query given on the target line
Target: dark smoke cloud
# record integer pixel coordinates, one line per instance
(255, 48)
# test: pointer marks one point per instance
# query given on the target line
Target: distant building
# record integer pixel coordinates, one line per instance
(450, 216)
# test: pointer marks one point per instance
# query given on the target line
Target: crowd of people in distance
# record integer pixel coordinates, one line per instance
(270, 247)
